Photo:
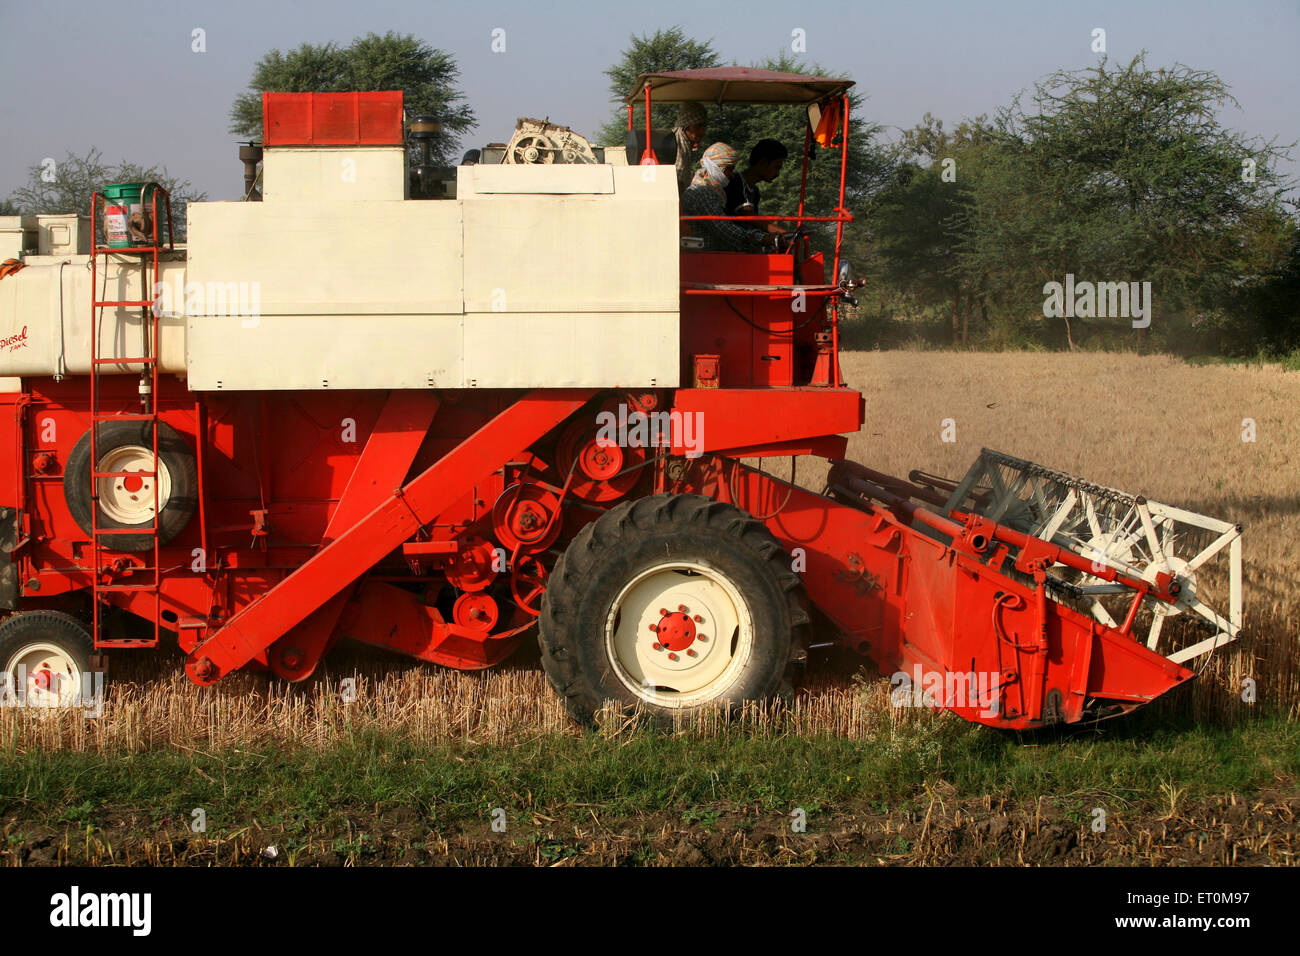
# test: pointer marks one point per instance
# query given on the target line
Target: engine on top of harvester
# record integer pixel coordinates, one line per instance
(538, 142)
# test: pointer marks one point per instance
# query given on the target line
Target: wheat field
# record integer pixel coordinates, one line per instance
(1147, 425)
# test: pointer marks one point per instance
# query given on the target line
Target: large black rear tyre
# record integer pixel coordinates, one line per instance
(673, 603)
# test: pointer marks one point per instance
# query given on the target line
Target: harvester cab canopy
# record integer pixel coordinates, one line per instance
(826, 98)
(737, 84)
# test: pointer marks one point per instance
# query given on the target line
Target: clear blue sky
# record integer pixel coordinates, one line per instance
(79, 73)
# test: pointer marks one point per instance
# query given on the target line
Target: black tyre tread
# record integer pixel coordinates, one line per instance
(175, 452)
(653, 514)
(69, 630)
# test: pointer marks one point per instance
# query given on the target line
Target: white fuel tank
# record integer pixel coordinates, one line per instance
(45, 315)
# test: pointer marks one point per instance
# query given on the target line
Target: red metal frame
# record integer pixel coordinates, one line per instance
(869, 567)
(648, 156)
(364, 544)
(382, 465)
(839, 241)
(872, 572)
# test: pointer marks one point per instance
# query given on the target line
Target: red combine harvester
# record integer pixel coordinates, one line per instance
(431, 427)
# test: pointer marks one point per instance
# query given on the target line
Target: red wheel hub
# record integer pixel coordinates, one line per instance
(675, 630)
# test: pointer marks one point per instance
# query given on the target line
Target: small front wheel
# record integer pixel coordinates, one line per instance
(46, 658)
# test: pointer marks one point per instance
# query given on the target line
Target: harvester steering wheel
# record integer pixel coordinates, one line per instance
(787, 242)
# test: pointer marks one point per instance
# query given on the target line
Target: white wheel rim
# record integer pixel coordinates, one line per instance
(681, 658)
(130, 501)
(48, 674)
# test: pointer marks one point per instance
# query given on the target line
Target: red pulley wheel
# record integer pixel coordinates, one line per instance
(525, 518)
(476, 611)
(601, 473)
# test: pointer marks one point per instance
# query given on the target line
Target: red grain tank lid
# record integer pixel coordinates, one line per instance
(332, 119)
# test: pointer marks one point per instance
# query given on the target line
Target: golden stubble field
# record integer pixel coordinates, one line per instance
(1143, 424)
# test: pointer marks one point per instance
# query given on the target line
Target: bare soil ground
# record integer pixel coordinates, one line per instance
(938, 830)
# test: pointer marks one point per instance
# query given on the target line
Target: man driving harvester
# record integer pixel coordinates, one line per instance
(743, 196)
(707, 196)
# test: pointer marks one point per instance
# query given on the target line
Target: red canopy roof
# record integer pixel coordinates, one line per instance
(736, 84)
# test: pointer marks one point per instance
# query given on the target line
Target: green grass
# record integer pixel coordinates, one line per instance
(1289, 362)
(300, 788)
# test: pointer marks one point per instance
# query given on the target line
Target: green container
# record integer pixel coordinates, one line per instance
(121, 200)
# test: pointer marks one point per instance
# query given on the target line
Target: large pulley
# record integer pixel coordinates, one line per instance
(540, 142)
(602, 471)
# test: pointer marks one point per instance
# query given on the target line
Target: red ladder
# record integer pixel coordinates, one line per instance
(107, 567)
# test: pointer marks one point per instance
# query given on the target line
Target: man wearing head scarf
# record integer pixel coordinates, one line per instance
(692, 121)
(707, 196)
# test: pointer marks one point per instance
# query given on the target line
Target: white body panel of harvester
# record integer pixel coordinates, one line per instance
(533, 276)
(354, 173)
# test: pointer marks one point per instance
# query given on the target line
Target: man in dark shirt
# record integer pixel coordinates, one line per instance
(707, 196)
(743, 196)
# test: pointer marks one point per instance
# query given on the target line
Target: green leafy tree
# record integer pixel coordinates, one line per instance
(1121, 174)
(1262, 314)
(917, 221)
(67, 185)
(426, 77)
(661, 52)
